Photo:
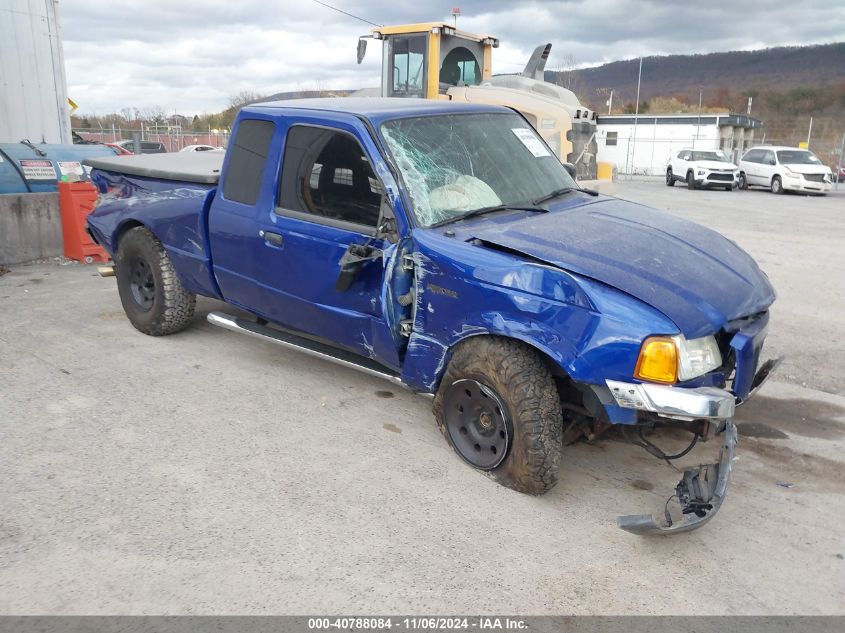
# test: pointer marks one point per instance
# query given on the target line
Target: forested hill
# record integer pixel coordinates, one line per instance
(777, 69)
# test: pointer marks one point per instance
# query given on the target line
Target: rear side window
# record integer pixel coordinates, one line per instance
(247, 155)
(752, 156)
(326, 174)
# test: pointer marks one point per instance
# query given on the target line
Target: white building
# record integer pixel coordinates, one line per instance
(33, 92)
(645, 148)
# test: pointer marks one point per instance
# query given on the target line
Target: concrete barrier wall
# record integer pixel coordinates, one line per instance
(30, 227)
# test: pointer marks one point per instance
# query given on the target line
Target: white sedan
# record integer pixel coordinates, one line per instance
(201, 148)
(784, 169)
(702, 168)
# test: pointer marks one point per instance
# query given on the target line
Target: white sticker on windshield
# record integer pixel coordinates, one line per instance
(531, 142)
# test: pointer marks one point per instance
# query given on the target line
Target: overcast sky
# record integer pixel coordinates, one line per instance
(190, 56)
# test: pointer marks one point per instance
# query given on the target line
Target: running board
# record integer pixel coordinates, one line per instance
(304, 345)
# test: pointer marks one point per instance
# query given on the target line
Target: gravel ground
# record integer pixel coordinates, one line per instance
(209, 473)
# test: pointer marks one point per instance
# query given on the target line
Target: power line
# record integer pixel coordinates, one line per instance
(345, 13)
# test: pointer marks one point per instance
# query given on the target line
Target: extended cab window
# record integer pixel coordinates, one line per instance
(326, 174)
(247, 155)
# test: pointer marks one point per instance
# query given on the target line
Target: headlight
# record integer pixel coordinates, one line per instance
(700, 172)
(791, 174)
(668, 359)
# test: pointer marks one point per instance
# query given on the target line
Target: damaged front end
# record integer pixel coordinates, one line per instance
(704, 411)
(700, 494)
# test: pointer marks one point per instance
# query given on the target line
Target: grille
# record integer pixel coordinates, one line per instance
(725, 177)
(815, 177)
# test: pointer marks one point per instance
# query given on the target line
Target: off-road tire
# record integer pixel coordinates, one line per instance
(729, 188)
(777, 185)
(690, 181)
(519, 376)
(743, 182)
(670, 178)
(172, 306)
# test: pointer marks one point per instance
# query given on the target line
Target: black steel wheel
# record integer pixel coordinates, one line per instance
(499, 408)
(477, 422)
(152, 295)
(142, 284)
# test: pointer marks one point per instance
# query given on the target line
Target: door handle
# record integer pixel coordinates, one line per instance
(275, 239)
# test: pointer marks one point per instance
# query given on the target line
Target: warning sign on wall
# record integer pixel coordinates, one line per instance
(71, 167)
(34, 169)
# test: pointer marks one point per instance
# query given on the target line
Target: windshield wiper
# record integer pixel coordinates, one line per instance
(562, 191)
(484, 210)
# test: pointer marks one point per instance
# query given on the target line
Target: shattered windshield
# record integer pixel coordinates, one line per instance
(457, 163)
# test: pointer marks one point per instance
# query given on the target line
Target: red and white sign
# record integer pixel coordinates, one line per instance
(37, 169)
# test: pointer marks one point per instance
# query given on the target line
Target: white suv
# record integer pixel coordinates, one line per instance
(784, 169)
(702, 168)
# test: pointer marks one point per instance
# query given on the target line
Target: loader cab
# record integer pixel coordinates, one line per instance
(423, 61)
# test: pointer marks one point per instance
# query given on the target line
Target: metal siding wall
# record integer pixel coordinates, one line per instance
(654, 144)
(33, 92)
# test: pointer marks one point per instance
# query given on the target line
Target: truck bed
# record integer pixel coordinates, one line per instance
(199, 167)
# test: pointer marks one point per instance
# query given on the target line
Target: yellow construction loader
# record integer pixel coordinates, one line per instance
(436, 60)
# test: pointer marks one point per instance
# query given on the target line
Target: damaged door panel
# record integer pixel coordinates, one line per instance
(443, 247)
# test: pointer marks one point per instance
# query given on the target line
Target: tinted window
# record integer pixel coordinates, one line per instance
(684, 155)
(611, 138)
(768, 158)
(752, 156)
(326, 173)
(246, 162)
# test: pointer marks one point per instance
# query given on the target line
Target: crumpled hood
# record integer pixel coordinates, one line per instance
(693, 275)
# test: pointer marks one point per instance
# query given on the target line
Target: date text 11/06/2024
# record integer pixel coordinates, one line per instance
(481, 623)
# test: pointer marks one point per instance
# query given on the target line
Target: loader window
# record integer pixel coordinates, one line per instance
(407, 66)
(326, 174)
(460, 68)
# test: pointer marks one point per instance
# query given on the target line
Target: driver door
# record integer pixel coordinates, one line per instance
(329, 198)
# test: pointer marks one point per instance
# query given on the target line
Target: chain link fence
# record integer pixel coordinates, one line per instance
(174, 138)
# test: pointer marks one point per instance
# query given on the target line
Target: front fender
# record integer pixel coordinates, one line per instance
(590, 330)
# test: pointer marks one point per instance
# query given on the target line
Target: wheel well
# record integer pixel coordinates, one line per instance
(121, 231)
(567, 390)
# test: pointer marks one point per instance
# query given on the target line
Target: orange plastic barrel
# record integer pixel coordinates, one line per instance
(76, 201)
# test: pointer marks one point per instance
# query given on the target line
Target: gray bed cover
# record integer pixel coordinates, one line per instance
(199, 167)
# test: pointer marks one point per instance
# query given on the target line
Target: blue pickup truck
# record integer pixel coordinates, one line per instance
(445, 248)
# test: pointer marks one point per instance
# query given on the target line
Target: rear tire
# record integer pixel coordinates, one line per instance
(690, 181)
(743, 182)
(670, 178)
(777, 185)
(498, 370)
(153, 298)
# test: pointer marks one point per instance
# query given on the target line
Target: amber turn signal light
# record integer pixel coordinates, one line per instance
(658, 360)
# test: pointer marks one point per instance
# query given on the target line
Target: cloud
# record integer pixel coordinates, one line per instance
(190, 56)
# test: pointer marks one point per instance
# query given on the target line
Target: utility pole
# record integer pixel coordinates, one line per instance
(636, 116)
(698, 122)
(809, 132)
(610, 103)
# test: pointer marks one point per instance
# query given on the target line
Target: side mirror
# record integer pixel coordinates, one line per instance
(570, 168)
(352, 262)
(362, 49)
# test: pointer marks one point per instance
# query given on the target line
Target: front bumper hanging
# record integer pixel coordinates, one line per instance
(700, 493)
